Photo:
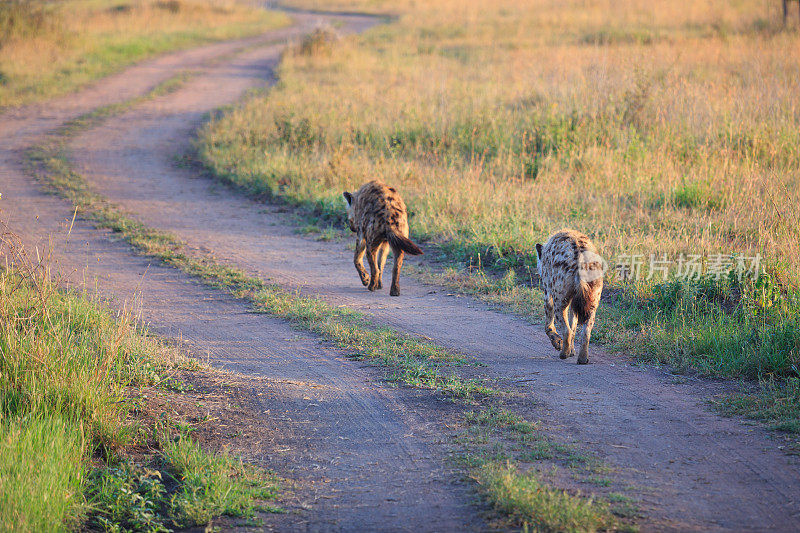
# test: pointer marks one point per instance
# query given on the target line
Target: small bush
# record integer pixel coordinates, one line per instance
(695, 195)
(296, 133)
(173, 6)
(318, 42)
(613, 36)
(127, 498)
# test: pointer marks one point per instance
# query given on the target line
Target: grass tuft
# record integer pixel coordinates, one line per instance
(319, 42)
(25, 19)
(496, 438)
(64, 355)
(127, 497)
(537, 506)
(191, 489)
(776, 403)
(65, 365)
(214, 485)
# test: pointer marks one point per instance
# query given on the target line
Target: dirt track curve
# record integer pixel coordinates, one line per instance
(377, 445)
(365, 454)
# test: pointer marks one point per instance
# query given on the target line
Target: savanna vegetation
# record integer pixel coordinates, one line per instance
(67, 420)
(515, 464)
(656, 127)
(503, 452)
(52, 47)
(662, 129)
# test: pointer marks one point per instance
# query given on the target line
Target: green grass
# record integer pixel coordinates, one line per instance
(719, 327)
(40, 472)
(65, 364)
(499, 418)
(776, 403)
(498, 444)
(126, 496)
(537, 506)
(50, 48)
(214, 485)
(525, 441)
(66, 356)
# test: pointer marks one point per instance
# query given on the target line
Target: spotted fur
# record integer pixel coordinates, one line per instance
(572, 279)
(377, 215)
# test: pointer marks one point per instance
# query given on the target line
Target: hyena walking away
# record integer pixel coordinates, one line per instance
(377, 214)
(572, 279)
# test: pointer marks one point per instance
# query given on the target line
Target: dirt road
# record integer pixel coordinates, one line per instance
(365, 455)
(693, 469)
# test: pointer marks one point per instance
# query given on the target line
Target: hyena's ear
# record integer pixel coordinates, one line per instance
(348, 197)
(539, 250)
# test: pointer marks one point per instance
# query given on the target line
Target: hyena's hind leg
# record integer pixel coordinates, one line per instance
(583, 356)
(398, 264)
(358, 260)
(573, 327)
(549, 328)
(372, 259)
(383, 253)
(567, 333)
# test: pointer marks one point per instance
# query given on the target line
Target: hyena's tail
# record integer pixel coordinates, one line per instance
(404, 243)
(587, 297)
(581, 302)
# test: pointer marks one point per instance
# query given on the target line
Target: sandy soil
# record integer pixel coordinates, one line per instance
(379, 447)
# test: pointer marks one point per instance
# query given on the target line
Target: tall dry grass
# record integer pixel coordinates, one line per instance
(48, 48)
(656, 127)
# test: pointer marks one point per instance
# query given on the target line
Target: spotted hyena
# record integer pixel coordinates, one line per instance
(572, 278)
(377, 214)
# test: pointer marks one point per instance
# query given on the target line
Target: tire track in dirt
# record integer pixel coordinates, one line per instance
(367, 456)
(695, 470)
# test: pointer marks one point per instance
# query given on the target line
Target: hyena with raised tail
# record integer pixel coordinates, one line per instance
(572, 278)
(377, 215)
